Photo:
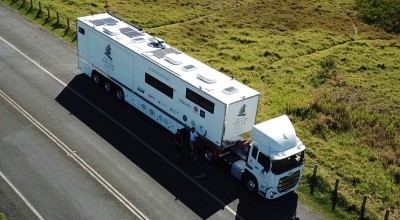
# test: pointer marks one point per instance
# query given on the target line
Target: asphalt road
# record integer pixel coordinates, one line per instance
(52, 118)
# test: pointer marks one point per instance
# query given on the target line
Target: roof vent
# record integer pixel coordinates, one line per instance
(111, 30)
(208, 78)
(230, 90)
(138, 40)
(173, 58)
(189, 68)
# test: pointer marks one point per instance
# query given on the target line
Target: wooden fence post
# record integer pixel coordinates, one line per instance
(387, 214)
(314, 179)
(48, 15)
(66, 30)
(22, 5)
(39, 11)
(57, 22)
(334, 195)
(30, 7)
(363, 207)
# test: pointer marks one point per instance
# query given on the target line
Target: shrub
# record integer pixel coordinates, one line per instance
(328, 71)
(384, 13)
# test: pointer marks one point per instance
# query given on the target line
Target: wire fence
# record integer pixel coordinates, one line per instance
(50, 16)
(314, 181)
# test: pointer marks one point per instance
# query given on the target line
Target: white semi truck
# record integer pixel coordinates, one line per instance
(178, 91)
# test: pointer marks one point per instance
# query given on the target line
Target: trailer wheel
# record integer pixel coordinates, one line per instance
(251, 184)
(96, 78)
(120, 94)
(108, 86)
(208, 155)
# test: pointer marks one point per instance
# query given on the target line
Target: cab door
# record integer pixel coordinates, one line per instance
(260, 167)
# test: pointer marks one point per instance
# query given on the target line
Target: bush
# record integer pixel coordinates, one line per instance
(328, 71)
(384, 13)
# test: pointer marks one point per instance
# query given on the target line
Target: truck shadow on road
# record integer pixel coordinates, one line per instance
(205, 188)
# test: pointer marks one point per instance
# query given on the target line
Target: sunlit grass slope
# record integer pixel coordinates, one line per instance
(336, 77)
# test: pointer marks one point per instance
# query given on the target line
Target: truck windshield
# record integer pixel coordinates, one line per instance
(286, 164)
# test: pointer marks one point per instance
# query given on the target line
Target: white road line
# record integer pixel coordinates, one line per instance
(21, 196)
(75, 157)
(128, 131)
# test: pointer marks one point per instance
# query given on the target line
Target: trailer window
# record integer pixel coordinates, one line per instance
(200, 100)
(82, 31)
(160, 86)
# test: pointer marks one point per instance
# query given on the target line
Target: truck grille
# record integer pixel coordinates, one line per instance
(288, 182)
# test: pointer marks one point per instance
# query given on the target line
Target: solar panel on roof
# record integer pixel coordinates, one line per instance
(107, 21)
(126, 29)
(110, 21)
(160, 53)
(133, 34)
(97, 22)
(129, 32)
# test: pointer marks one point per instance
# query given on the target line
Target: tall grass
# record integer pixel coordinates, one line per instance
(335, 76)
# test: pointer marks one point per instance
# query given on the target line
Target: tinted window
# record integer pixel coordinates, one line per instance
(254, 152)
(264, 161)
(160, 86)
(200, 100)
(81, 30)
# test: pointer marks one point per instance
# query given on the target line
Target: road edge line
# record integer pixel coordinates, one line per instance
(21, 196)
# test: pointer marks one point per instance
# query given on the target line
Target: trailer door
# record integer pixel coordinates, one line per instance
(240, 117)
(82, 41)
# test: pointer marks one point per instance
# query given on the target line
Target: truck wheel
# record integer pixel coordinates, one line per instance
(208, 155)
(120, 94)
(96, 78)
(108, 86)
(251, 184)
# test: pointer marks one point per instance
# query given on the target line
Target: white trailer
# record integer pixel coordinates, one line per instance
(178, 91)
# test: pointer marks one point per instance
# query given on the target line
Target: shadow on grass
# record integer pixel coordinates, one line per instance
(218, 188)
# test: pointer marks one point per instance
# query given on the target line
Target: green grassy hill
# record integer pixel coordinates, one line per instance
(336, 77)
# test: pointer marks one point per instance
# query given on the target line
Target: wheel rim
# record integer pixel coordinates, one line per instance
(120, 94)
(96, 78)
(251, 185)
(208, 155)
(107, 86)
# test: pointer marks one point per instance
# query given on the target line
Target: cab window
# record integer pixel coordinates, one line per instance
(254, 152)
(264, 161)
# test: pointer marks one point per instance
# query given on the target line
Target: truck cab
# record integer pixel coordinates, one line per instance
(272, 163)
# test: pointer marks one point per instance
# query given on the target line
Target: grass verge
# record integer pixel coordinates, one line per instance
(335, 76)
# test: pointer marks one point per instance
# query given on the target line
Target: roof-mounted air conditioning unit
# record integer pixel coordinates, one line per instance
(111, 30)
(208, 78)
(173, 58)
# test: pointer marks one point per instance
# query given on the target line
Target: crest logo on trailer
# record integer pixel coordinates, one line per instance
(242, 111)
(108, 52)
(107, 60)
(242, 120)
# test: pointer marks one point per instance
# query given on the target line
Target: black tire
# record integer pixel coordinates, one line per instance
(119, 94)
(251, 184)
(108, 86)
(96, 78)
(208, 155)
